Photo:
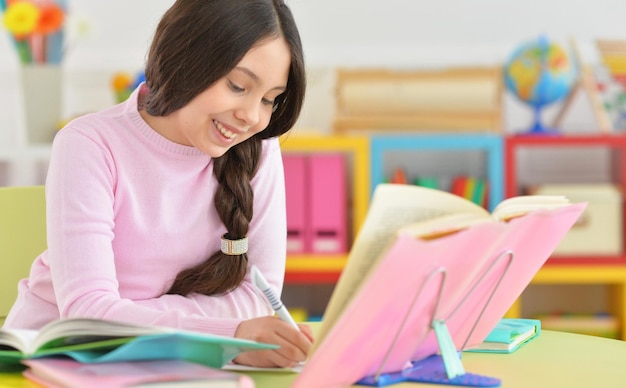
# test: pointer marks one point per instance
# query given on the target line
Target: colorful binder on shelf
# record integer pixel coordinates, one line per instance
(296, 190)
(328, 203)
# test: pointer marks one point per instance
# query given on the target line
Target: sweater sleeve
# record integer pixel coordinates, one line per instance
(80, 192)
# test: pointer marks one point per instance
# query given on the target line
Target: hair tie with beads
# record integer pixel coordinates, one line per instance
(234, 247)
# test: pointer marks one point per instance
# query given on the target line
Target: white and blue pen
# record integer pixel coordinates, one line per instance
(259, 281)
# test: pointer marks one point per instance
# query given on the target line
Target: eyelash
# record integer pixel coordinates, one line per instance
(239, 89)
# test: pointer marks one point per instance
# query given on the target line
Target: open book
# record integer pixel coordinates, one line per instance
(426, 263)
(422, 212)
(92, 340)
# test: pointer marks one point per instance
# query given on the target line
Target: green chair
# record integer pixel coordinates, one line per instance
(22, 238)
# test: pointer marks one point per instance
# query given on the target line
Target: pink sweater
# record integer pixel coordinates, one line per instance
(127, 209)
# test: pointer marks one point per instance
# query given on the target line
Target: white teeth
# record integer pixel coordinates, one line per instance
(223, 130)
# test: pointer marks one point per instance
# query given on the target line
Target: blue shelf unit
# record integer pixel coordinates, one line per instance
(440, 150)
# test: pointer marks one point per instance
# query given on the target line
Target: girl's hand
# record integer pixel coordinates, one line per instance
(294, 344)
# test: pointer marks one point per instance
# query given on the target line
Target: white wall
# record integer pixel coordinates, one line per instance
(391, 33)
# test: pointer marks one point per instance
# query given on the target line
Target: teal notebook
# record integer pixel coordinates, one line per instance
(509, 335)
(93, 340)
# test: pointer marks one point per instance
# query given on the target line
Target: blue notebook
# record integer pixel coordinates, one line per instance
(509, 335)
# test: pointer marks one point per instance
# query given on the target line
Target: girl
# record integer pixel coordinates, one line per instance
(157, 207)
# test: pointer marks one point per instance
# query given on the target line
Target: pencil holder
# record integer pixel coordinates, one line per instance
(42, 101)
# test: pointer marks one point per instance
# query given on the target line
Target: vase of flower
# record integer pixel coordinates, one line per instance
(36, 29)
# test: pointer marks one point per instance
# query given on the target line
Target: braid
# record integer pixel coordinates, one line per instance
(222, 273)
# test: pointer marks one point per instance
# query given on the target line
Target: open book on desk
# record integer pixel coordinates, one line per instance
(396, 284)
(94, 340)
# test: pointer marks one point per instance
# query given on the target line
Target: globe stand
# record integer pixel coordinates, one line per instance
(538, 128)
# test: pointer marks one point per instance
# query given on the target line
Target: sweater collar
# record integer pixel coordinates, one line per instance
(131, 110)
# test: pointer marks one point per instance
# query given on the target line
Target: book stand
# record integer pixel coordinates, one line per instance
(446, 367)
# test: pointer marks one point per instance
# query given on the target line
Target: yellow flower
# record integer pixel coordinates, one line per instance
(21, 18)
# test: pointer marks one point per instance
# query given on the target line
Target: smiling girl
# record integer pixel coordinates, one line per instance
(158, 207)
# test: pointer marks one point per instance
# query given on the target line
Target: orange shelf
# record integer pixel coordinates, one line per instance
(314, 269)
(581, 274)
(586, 261)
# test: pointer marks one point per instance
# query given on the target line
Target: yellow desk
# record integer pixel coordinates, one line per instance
(554, 359)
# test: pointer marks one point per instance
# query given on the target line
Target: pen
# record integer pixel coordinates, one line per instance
(259, 281)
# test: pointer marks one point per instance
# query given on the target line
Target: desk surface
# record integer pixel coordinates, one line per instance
(554, 359)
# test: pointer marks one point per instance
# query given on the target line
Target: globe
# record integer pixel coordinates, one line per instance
(539, 73)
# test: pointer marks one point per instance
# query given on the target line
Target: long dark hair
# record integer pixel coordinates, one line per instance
(198, 42)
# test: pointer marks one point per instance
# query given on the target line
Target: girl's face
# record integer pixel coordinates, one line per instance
(235, 107)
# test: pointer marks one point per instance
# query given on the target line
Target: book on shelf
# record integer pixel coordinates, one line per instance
(430, 273)
(509, 335)
(94, 340)
(67, 373)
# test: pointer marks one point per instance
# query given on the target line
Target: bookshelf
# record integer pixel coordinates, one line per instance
(499, 160)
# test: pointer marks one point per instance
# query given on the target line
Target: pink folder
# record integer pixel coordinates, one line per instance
(51, 372)
(296, 190)
(468, 280)
(328, 203)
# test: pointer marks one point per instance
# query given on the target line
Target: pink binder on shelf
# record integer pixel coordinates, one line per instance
(464, 282)
(296, 190)
(328, 203)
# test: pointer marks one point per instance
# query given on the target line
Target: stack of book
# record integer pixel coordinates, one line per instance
(83, 352)
(509, 335)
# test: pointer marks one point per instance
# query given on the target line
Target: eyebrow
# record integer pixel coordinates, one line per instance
(255, 77)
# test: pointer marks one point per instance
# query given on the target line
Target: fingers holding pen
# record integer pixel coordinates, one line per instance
(297, 343)
(306, 330)
(294, 345)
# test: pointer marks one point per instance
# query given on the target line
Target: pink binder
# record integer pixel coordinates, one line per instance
(296, 189)
(328, 203)
(466, 281)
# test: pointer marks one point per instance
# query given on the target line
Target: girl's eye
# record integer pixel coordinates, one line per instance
(265, 101)
(235, 87)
